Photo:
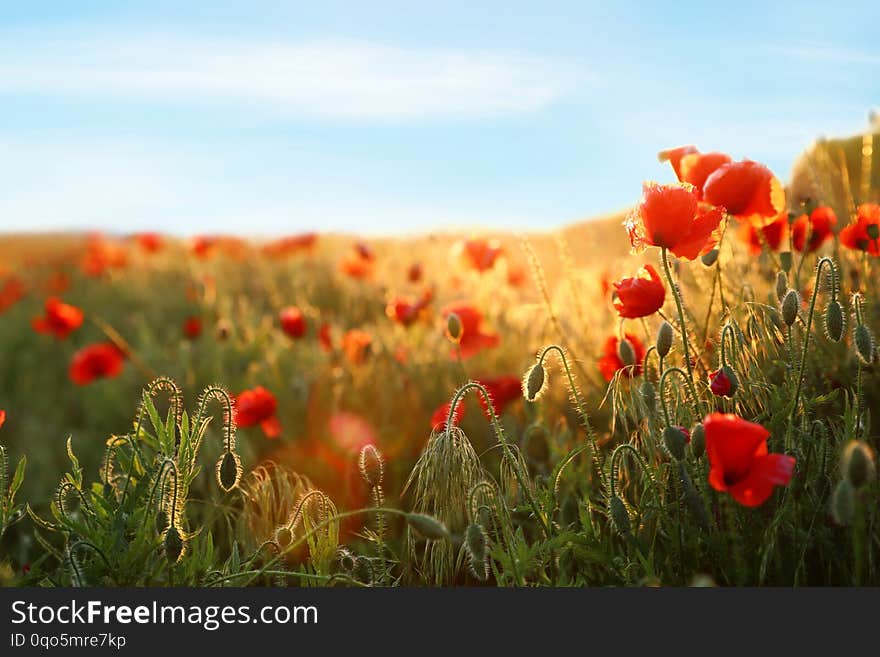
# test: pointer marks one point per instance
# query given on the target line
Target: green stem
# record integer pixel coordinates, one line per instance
(676, 294)
(662, 393)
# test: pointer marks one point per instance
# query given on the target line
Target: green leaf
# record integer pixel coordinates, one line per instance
(77, 469)
(17, 479)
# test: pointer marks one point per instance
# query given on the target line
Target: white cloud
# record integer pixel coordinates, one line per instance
(337, 79)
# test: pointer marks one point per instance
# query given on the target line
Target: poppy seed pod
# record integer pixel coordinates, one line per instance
(709, 257)
(283, 536)
(620, 516)
(785, 261)
(834, 321)
(427, 526)
(371, 465)
(675, 440)
(533, 382)
(626, 353)
(781, 285)
(476, 545)
(864, 343)
(790, 304)
(664, 339)
(843, 502)
(857, 463)
(454, 328)
(698, 440)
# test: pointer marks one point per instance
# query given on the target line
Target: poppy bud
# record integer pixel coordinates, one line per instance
(834, 321)
(626, 353)
(724, 382)
(533, 382)
(454, 328)
(785, 261)
(476, 546)
(649, 394)
(790, 304)
(362, 570)
(427, 526)
(843, 503)
(345, 559)
(857, 463)
(107, 491)
(371, 466)
(228, 471)
(173, 544)
(710, 257)
(873, 231)
(664, 339)
(781, 285)
(864, 343)
(698, 440)
(675, 440)
(283, 536)
(620, 516)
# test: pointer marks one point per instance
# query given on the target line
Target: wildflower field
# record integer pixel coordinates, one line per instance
(681, 395)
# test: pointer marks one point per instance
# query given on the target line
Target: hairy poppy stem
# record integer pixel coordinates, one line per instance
(662, 392)
(802, 365)
(676, 294)
(502, 439)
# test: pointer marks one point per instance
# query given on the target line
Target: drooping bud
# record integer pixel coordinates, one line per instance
(283, 536)
(371, 465)
(626, 353)
(857, 463)
(864, 343)
(454, 328)
(534, 381)
(791, 302)
(228, 471)
(785, 261)
(161, 521)
(709, 257)
(427, 526)
(843, 503)
(620, 516)
(664, 339)
(698, 440)
(476, 544)
(675, 440)
(781, 285)
(173, 543)
(834, 321)
(723, 382)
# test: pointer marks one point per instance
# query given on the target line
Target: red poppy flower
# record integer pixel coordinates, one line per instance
(11, 292)
(60, 319)
(474, 337)
(414, 273)
(746, 190)
(355, 265)
(192, 327)
(693, 167)
(502, 391)
(818, 226)
(258, 406)
(203, 245)
(102, 256)
(406, 310)
(2, 417)
(478, 254)
(102, 360)
(864, 233)
(150, 242)
(610, 362)
(719, 383)
(773, 234)
(640, 295)
(516, 275)
(286, 246)
(293, 322)
(325, 337)
(356, 345)
(671, 216)
(739, 461)
(438, 419)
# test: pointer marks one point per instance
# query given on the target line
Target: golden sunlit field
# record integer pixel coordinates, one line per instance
(333, 410)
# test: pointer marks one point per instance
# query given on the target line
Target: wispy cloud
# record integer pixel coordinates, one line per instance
(824, 53)
(337, 79)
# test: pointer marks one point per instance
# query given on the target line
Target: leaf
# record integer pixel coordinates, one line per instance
(17, 478)
(77, 469)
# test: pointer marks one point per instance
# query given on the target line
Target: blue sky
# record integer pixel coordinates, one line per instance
(401, 117)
